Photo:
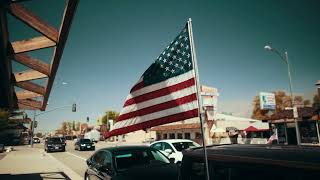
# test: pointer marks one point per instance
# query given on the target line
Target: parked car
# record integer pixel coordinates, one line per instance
(173, 148)
(251, 162)
(54, 144)
(1, 148)
(84, 144)
(130, 162)
(36, 140)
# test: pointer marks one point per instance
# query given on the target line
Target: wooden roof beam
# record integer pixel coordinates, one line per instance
(27, 94)
(69, 13)
(32, 44)
(6, 88)
(28, 75)
(25, 15)
(30, 86)
(32, 63)
(29, 103)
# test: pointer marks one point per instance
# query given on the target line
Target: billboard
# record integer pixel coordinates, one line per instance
(267, 101)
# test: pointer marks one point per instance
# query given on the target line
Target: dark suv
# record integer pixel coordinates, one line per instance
(54, 144)
(84, 144)
(252, 162)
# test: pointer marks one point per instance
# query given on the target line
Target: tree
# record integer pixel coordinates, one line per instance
(77, 128)
(316, 101)
(73, 125)
(39, 134)
(282, 101)
(4, 115)
(110, 115)
(64, 127)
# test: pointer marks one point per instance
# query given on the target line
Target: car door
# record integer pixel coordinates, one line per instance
(100, 160)
(157, 146)
(166, 146)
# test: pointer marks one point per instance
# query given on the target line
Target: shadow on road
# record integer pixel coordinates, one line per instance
(35, 176)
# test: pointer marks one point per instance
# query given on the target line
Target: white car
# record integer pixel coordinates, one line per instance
(172, 148)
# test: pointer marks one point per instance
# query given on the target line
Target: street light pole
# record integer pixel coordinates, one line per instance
(293, 107)
(35, 115)
(32, 128)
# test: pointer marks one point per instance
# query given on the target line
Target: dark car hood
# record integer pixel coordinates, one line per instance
(167, 172)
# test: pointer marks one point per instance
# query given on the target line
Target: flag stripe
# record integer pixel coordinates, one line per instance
(168, 82)
(162, 99)
(137, 86)
(160, 92)
(159, 107)
(156, 115)
(155, 122)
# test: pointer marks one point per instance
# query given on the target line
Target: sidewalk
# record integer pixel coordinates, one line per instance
(34, 164)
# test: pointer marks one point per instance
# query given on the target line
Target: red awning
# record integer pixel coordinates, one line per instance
(254, 129)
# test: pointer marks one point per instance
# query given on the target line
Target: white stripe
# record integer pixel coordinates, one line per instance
(76, 156)
(160, 85)
(156, 115)
(175, 95)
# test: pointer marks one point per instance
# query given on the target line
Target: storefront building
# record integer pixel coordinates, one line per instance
(308, 125)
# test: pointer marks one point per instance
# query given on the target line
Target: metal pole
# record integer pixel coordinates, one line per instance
(317, 126)
(292, 100)
(32, 128)
(200, 112)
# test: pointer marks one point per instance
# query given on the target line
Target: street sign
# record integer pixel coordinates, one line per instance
(267, 101)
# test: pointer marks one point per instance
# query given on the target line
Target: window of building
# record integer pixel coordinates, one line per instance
(197, 135)
(158, 136)
(187, 136)
(179, 135)
(165, 136)
(172, 136)
(308, 131)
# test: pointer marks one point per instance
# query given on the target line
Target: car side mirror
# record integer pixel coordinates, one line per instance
(89, 162)
(169, 151)
(172, 160)
(106, 168)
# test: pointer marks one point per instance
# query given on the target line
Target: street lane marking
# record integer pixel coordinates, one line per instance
(77, 156)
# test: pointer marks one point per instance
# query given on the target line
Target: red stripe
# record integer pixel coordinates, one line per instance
(160, 92)
(137, 86)
(159, 107)
(155, 122)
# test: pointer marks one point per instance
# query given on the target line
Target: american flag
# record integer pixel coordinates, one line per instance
(165, 93)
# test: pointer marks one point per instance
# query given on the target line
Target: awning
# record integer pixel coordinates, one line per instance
(254, 129)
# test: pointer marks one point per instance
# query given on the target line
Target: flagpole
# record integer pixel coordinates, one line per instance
(200, 112)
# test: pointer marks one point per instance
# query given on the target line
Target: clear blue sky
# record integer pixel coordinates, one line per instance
(112, 42)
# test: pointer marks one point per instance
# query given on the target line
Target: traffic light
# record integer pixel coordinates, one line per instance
(35, 124)
(87, 119)
(74, 107)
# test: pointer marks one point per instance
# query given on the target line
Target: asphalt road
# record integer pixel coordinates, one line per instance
(74, 159)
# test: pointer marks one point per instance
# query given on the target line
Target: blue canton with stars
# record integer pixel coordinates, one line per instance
(173, 61)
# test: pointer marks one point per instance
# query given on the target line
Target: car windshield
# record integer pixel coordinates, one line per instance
(55, 140)
(180, 146)
(126, 159)
(85, 141)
